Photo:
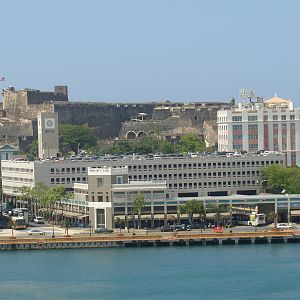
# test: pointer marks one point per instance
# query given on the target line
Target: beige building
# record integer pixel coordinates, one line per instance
(109, 194)
(272, 125)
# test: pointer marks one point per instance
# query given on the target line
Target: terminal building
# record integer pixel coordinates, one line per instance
(109, 194)
(272, 125)
(186, 176)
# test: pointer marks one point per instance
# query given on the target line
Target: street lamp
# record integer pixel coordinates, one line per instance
(288, 206)
(90, 227)
(53, 235)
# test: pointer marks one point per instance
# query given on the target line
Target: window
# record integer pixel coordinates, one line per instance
(292, 117)
(253, 136)
(119, 179)
(100, 182)
(252, 126)
(283, 118)
(237, 127)
(237, 119)
(292, 125)
(252, 118)
(237, 137)
(275, 118)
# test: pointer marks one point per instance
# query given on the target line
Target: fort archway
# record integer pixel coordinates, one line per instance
(131, 135)
(141, 134)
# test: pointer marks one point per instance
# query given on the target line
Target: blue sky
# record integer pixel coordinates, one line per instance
(138, 50)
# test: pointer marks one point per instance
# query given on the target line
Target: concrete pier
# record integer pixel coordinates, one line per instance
(155, 240)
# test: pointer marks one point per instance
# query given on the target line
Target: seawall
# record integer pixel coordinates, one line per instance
(163, 240)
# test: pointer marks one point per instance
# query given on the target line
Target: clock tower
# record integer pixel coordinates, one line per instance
(48, 134)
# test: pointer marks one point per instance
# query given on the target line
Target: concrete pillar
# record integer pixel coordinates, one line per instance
(289, 209)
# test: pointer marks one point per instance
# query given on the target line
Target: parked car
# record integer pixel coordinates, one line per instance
(166, 228)
(283, 226)
(194, 226)
(38, 220)
(36, 232)
(178, 227)
(103, 230)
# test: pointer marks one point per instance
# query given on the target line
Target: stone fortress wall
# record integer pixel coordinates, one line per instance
(108, 120)
(174, 119)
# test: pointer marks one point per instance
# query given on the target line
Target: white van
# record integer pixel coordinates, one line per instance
(38, 220)
(283, 226)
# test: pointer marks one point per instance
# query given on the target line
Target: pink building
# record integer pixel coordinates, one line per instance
(270, 125)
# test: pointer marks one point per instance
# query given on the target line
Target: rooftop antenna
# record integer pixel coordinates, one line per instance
(250, 94)
(247, 94)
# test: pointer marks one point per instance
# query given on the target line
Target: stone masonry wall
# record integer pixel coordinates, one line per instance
(104, 118)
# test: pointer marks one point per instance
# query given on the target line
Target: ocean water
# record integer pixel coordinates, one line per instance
(208, 272)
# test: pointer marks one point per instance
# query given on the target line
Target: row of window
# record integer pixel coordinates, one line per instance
(67, 180)
(254, 118)
(194, 176)
(18, 170)
(194, 166)
(17, 179)
(210, 184)
(74, 170)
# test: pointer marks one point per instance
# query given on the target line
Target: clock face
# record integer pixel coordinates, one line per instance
(49, 123)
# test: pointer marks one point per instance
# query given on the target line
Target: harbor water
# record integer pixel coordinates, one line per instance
(211, 272)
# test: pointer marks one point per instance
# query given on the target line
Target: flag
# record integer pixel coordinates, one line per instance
(2, 78)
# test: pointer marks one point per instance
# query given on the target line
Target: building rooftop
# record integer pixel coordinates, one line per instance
(276, 100)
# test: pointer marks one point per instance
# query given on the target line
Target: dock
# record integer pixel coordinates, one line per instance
(151, 240)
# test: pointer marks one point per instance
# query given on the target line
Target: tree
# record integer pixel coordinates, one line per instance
(192, 207)
(138, 205)
(74, 136)
(279, 178)
(32, 151)
(191, 143)
(38, 196)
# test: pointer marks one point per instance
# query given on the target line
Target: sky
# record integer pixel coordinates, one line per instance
(138, 50)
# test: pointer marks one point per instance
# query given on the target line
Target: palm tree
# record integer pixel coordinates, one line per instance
(218, 209)
(192, 207)
(118, 222)
(24, 194)
(39, 196)
(138, 205)
(273, 217)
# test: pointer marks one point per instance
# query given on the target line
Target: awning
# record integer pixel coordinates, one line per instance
(71, 214)
(83, 216)
(295, 213)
